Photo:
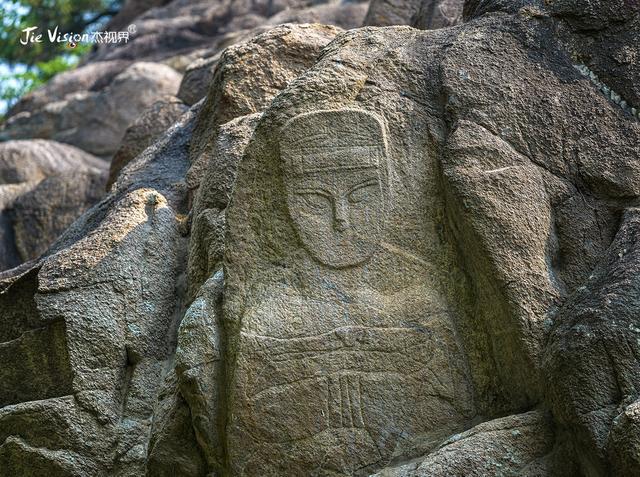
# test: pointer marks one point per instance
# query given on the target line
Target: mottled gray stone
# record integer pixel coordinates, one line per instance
(95, 121)
(516, 445)
(35, 159)
(429, 263)
(323, 285)
(113, 284)
(44, 186)
(90, 77)
(345, 14)
(206, 244)
(40, 215)
(423, 14)
(591, 361)
(148, 127)
(248, 76)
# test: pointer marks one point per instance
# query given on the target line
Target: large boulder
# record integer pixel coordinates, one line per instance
(90, 77)
(518, 445)
(391, 12)
(248, 76)
(345, 14)
(168, 29)
(423, 14)
(148, 127)
(180, 27)
(334, 295)
(9, 255)
(412, 194)
(37, 159)
(40, 215)
(131, 10)
(93, 325)
(95, 121)
(199, 74)
(197, 78)
(44, 186)
(592, 365)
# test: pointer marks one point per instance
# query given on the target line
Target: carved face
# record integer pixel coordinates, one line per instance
(334, 170)
(338, 214)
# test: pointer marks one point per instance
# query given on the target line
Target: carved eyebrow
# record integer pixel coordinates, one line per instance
(321, 192)
(367, 183)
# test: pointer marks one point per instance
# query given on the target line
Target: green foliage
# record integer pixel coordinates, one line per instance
(15, 84)
(25, 67)
(70, 16)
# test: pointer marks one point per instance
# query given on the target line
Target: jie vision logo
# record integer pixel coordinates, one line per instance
(34, 35)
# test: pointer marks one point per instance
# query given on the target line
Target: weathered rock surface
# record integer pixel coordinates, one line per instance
(40, 215)
(9, 255)
(179, 27)
(516, 445)
(423, 14)
(144, 131)
(130, 11)
(248, 76)
(208, 228)
(491, 201)
(314, 260)
(90, 77)
(605, 37)
(34, 160)
(107, 299)
(173, 448)
(44, 186)
(199, 74)
(385, 251)
(345, 14)
(95, 121)
(592, 360)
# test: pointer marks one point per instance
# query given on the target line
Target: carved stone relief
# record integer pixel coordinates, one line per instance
(332, 370)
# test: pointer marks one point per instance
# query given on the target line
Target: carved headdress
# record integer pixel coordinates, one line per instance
(332, 140)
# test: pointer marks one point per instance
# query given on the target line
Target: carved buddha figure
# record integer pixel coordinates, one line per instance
(349, 357)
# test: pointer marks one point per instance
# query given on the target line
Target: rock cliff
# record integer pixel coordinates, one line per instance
(250, 244)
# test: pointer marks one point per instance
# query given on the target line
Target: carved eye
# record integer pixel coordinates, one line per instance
(361, 192)
(314, 201)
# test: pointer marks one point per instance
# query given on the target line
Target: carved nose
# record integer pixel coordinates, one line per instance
(341, 215)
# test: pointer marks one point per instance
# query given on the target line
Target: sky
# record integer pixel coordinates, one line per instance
(9, 7)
